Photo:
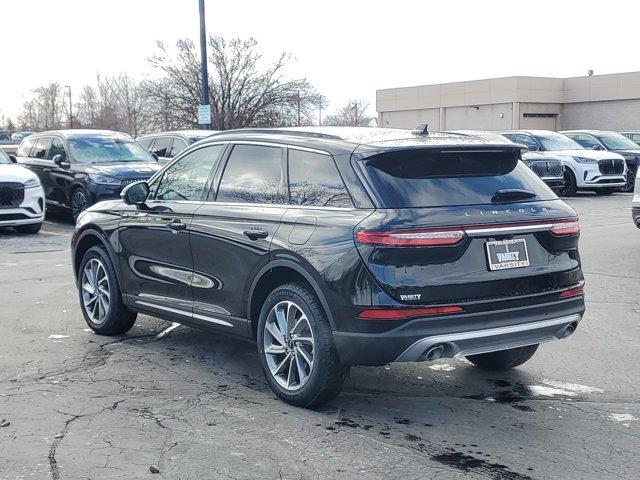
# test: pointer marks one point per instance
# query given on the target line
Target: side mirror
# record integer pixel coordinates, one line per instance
(135, 194)
(60, 161)
(597, 147)
(13, 159)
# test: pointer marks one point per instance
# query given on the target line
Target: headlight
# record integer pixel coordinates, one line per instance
(32, 183)
(585, 160)
(104, 179)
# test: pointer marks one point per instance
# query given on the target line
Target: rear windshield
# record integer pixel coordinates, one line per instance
(423, 178)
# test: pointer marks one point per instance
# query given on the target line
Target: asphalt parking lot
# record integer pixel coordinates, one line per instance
(187, 404)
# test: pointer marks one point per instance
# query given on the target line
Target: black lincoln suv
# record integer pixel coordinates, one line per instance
(80, 167)
(339, 247)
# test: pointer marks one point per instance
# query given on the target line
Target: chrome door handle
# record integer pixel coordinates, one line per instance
(176, 226)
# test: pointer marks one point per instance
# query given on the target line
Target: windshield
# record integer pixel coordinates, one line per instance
(554, 141)
(615, 141)
(105, 150)
(3, 158)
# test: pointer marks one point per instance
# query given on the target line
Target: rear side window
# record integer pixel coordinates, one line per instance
(57, 148)
(40, 149)
(424, 178)
(253, 175)
(161, 146)
(25, 147)
(315, 181)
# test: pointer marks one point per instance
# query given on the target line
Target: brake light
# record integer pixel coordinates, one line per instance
(562, 228)
(412, 238)
(572, 292)
(406, 313)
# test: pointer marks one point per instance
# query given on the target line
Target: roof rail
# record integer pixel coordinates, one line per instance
(287, 131)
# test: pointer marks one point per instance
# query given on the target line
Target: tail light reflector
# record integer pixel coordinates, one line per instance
(572, 292)
(406, 313)
(413, 238)
(569, 226)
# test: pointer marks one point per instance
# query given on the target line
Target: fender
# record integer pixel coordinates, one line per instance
(90, 231)
(309, 277)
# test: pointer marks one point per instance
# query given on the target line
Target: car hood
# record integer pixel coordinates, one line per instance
(15, 173)
(594, 154)
(121, 170)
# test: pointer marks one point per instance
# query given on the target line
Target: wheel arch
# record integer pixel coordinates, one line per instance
(276, 273)
(90, 237)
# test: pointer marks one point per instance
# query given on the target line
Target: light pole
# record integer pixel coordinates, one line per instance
(204, 75)
(68, 87)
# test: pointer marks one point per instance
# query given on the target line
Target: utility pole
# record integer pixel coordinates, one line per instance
(298, 97)
(204, 75)
(68, 87)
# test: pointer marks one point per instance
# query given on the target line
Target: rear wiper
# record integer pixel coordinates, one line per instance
(507, 194)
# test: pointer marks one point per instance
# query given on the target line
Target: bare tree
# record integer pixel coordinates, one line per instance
(45, 110)
(244, 89)
(355, 113)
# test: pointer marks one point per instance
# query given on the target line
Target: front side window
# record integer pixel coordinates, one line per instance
(315, 181)
(587, 141)
(57, 148)
(25, 147)
(528, 142)
(177, 147)
(162, 146)
(187, 178)
(253, 175)
(40, 149)
(3, 158)
(107, 150)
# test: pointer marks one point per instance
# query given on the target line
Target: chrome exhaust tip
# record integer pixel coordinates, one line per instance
(568, 331)
(434, 353)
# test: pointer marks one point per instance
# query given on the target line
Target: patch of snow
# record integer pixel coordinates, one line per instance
(442, 367)
(55, 335)
(544, 391)
(623, 418)
(168, 330)
(573, 387)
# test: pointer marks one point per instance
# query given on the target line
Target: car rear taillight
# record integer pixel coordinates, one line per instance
(412, 238)
(573, 291)
(568, 226)
(406, 313)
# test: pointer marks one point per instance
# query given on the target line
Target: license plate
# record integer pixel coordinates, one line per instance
(506, 254)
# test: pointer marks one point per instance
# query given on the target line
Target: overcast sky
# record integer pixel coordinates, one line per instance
(346, 48)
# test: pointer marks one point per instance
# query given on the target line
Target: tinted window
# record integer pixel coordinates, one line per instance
(161, 146)
(4, 159)
(527, 141)
(186, 179)
(40, 150)
(178, 146)
(145, 142)
(25, 147)
(314, 180)
(253, 174)
(421, 178)
(587, 141)
(636, 138)
(57, 148)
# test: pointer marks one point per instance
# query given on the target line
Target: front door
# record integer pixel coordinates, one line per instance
(156, 261)
(231, 236)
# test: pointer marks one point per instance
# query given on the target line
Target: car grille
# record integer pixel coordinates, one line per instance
(613, 166)
(133, 180)
(548, 168)
(5, 217)
(11, 194)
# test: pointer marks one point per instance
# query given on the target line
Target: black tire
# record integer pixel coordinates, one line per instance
(570, 185)
(606, 191)
(79, 202)
(631, 180)
(504, 359)
(327, 376)
(118, 319)
(29, 229)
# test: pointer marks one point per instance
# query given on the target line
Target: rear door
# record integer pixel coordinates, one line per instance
(60, 179)
(37, 161)
(464, 225)
(232, 232)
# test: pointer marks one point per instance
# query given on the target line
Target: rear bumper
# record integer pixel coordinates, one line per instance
(461, 335)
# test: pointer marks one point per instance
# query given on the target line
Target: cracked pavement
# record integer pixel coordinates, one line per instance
(192, 404)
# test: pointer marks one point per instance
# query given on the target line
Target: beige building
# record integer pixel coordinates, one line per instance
(605, 102)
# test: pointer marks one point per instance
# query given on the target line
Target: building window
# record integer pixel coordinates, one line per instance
(539, 115)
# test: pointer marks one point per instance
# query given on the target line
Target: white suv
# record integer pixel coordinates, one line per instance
(600, 171)
(21, 197)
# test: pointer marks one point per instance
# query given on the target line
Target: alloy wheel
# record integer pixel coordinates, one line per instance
(96, 294)
(78, 203)
(289, 345)
(631, 180)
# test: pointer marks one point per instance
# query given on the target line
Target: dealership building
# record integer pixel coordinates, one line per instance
(604, 102)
